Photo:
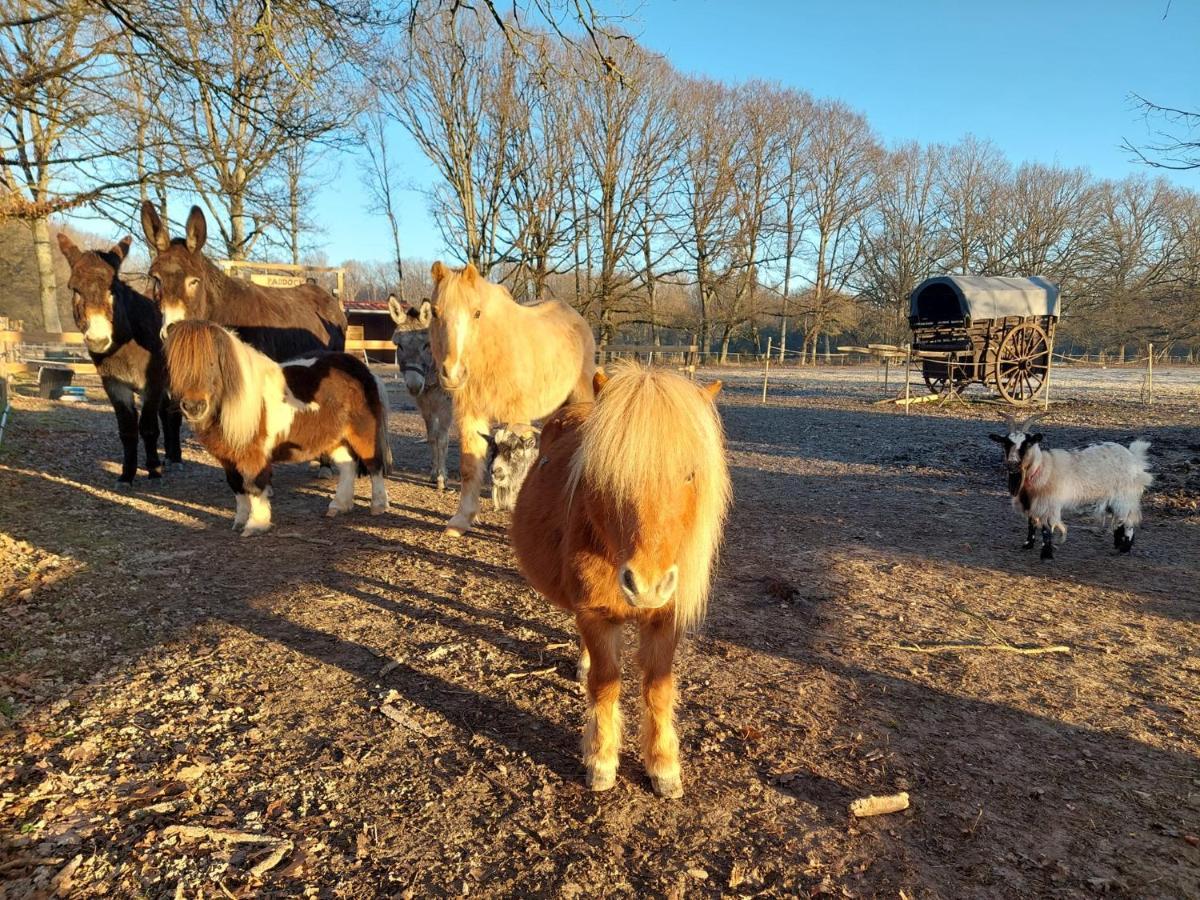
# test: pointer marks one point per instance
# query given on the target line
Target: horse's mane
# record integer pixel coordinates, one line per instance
(197, 351)
(650, 427)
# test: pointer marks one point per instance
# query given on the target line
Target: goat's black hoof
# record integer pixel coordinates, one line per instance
(125, 484)
(154, 473)
(1047, 553)
(1126, 545)
(1029, 545)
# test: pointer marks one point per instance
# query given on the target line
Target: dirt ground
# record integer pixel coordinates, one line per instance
(187, 713)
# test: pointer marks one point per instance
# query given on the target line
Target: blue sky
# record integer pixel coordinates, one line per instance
(1045, 81)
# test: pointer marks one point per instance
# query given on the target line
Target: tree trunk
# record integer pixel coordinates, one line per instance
(725, 344)
(47, 286)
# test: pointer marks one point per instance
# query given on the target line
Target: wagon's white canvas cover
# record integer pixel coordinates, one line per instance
(984, 297)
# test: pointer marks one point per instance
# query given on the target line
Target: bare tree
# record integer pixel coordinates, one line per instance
(842, 154)
(381, 179)
(902, 237)
(795, 113)
(1176, 136)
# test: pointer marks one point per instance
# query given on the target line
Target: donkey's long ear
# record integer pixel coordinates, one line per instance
(425, 316)
(197, 230)
(152, 226)
(396, 311)
(713, 389)
(68, 248)
(438, 271)
(121, 249)
(599, 380)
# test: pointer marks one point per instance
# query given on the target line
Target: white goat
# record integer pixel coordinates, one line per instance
(1044, 483)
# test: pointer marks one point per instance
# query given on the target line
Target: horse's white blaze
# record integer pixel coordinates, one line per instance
(99, 331)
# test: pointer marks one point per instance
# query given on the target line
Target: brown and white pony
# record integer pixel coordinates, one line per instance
(283, 323)
(121, 331)
(502, 362)
(620, 521)
(414, 359)
(249, 412)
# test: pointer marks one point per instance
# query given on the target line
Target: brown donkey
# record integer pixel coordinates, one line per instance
(121, 331)
(281, 322)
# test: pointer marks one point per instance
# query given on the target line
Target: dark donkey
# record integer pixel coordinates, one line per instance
(121, 330)
(282, 323)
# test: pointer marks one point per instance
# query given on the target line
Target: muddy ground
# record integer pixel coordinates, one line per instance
(187, 713)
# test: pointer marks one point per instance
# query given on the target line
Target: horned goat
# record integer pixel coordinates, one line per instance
(512, 451)
(1045, 483)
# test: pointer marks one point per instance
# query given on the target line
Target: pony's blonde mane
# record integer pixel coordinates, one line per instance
(651, 427)
(195, 348)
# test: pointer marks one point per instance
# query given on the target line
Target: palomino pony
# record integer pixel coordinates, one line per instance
(121, 331)
(249, 412)
(414, 359)
(283, 323)
(620, 520)
(502, 362)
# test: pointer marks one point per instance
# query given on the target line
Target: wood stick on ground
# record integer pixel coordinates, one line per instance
(1001, 647)
(223, 835)
(274, 858)
(879, 806)
(401, 719)
(546, 671)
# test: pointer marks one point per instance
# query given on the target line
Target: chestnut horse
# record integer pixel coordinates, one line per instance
(121, 330)
(620, 520)
(280, 322)
(502, 362)
(249, 412)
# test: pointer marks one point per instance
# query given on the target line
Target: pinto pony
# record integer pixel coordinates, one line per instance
(249, 412)
(502, 362)
(414, 359)
(280, 322)
(620, 520)
(121, 331)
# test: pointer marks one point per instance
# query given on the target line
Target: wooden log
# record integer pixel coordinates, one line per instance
(879, 806)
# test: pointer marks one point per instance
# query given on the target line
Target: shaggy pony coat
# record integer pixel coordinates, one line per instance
(619, 521)
(250, 412)
(502, 362)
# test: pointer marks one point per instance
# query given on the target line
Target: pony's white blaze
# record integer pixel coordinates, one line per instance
(99, 332)
(454, 373)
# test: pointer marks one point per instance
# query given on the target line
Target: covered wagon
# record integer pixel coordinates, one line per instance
(990, 330)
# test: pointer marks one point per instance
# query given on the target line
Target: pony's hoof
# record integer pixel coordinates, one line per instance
(441, 483)
(379, 510)
(124, 484)
(669, 787)
(154, 473)
(458, 526)
(252, 529)
(238, 526)
(335, 511)
(599, 780)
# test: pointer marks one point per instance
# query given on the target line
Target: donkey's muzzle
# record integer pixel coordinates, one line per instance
(194, 409)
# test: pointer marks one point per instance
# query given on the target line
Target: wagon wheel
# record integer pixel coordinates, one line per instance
(937, 378)
(1022, 363)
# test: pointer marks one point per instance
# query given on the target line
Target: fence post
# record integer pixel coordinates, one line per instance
(766, 369)
(907, 377)
(1150, 374)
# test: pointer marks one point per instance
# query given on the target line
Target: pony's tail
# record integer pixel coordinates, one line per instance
(383, 446)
